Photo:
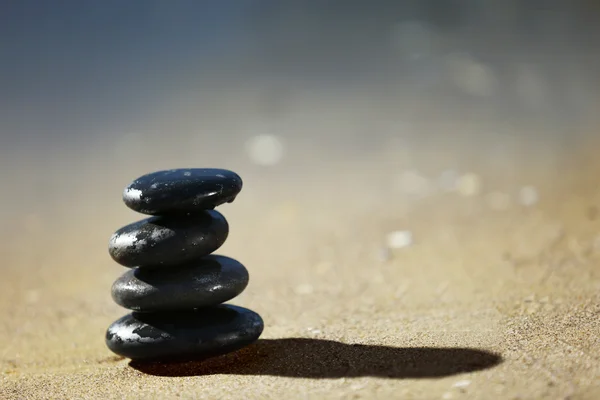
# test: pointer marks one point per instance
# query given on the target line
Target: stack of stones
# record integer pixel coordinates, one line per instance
(175, 286)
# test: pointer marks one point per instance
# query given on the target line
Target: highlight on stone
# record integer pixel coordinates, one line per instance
(175, 286)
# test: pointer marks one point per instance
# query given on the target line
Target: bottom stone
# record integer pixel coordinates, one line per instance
(184, 335)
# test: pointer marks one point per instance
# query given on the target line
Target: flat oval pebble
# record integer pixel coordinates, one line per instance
(169, 240)
(182, 190)
(207, 282)
(184, 335)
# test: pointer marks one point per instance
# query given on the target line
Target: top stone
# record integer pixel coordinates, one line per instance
(179, 191)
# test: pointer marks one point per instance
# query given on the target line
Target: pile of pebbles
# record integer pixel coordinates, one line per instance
(175, 285)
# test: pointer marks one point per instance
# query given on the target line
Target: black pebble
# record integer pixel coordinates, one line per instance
(182, 190)
(207, 282)
(170, 240)
(184, 335)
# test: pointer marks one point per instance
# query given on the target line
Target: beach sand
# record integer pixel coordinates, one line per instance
(492, 291)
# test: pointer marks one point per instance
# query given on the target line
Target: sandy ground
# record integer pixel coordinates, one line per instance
(494, 292)
(491, 299)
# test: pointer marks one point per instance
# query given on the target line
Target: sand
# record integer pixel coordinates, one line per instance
(485, 300)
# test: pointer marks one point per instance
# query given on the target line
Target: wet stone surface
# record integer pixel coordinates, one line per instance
(184, 335)
(176, 287)
(181, 191)
(168, 240)
(207, 282)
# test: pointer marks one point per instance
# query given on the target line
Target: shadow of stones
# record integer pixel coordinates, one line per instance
(327, 359)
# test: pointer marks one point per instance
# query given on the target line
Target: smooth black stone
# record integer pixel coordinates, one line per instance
(207, 282)
(169, 240)
(182, 190)
(184, 335)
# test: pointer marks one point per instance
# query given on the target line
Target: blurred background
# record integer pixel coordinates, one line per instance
(360, 128)
(114, 88)
(331, 102)
(337, 106)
